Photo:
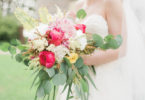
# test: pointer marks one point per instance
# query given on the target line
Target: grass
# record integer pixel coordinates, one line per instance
(15, 81)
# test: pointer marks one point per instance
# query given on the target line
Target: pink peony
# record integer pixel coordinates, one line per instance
(55, 36)
(47, 59)
(81, 27)
(66, 25)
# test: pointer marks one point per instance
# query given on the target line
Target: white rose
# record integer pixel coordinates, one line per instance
(82, 39)
(59, 51)
(79, 41)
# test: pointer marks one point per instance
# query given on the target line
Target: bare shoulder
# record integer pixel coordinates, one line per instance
(113, 5)
(113, 2)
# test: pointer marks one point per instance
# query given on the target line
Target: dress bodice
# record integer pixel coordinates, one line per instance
(96, 24)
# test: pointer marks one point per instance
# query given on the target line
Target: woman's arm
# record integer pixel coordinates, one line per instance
(116, 25)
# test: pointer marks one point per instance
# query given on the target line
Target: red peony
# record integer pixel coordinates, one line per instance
(55, 36)
(81, 27)
(47, 59)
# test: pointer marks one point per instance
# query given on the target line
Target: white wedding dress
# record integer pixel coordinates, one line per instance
(123, 79)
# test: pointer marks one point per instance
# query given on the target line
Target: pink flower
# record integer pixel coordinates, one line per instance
(47, 59)
(66, 25)
(55, 36)
(81, 27)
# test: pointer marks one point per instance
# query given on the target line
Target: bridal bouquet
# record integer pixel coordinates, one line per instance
(53, 51)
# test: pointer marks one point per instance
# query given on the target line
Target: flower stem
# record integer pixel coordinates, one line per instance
(69, 90)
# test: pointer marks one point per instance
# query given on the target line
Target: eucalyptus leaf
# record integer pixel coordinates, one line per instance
(40, 91)
(98, 40)
(51, 72)
(67, 62)
(64, 67)
(119, 40)
(43, 75)
(47, 86)
(113, 44)
(84, 70)
(71, 77)
(79, 63)
(84, 85)
(19, 58)
(26, 62)
(91, 81)
(81, 14)
(64, 88)
(59, 79)
(108, 38)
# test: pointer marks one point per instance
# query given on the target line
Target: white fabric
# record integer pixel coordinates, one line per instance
(123, 79)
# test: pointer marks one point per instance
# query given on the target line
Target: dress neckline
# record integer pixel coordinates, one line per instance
(85, 6)
(97, 15)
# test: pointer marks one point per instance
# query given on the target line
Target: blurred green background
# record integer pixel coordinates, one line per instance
(15, 81)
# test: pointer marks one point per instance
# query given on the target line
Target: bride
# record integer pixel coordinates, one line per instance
(120, 73)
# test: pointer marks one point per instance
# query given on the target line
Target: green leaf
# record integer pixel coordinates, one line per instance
(47, 86)
(64, 88)
(113, 44)
(91, 81)
(108, 38)
(84, 85)
(43, 75)
(26, 62)
(98, 40)
(79, 63)
(81, 14)
(71, 97)
(19, 58)
(40, 91)
(119, 40)
(71, 77)
(93, 69)
(21, 47)
(51, 72)
(35, 78)
(12, 50)
(63, 67)
(67, 62)
(69, 91)
(77, 90)
(84, 70)
(4, 46)
(59, 79)
(15, 42)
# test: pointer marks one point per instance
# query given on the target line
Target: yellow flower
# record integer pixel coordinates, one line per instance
(73, 57)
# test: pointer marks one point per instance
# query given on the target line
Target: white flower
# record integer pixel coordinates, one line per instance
(50, 47)
(82, 39)
(30, 34)
(79, 41)
(59, 51)
(39, 44)
(42, 28)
